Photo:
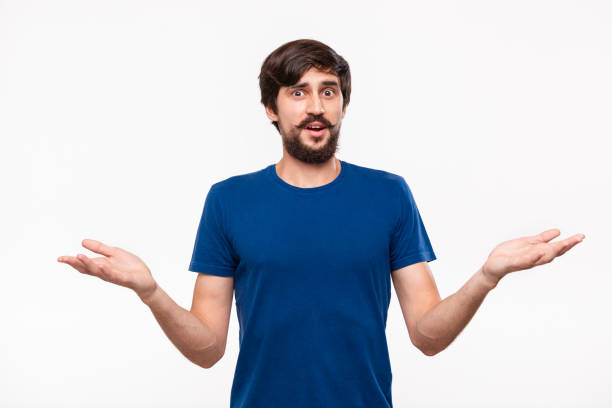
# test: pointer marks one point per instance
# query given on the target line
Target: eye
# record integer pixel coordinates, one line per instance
(297, 91)
(331, 92)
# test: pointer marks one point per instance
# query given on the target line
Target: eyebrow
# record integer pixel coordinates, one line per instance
(306, 84)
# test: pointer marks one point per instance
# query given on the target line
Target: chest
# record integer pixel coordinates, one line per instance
(312, 233)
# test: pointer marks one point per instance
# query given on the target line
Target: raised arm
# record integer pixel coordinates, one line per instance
(433, 323)
(199, 334)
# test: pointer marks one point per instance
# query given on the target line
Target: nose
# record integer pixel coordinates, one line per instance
(315, 107)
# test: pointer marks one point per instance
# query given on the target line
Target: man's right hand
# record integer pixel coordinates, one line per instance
(117, 266)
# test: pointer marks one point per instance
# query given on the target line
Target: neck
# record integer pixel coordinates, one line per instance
(307, 175)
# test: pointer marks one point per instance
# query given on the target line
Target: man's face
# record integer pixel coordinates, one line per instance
(316, 100)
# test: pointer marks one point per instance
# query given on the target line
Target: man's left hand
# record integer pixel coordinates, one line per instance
(526, 252)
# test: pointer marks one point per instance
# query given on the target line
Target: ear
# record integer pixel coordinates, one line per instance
(271, 115)
(343, 111)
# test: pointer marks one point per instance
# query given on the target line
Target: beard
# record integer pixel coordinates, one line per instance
(324, 150)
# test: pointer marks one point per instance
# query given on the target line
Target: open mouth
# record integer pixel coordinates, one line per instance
(316, 129)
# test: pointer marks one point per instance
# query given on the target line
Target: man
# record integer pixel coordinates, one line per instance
(310, 245)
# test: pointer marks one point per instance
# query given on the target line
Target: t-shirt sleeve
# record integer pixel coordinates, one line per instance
(212, 251)
(409, 242)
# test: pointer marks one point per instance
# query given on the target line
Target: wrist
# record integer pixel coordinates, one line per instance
(148, 296)
(488, 281)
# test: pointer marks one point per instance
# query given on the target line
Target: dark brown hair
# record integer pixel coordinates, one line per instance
(286, 65)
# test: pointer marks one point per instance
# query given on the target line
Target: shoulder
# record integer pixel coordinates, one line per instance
(382, 178)
(239, 185)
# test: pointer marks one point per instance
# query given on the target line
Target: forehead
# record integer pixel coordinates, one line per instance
(314, 76)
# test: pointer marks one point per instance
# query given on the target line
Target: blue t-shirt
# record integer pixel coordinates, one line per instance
(312, 279)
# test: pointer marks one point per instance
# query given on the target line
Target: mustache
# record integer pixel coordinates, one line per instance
(315, 119)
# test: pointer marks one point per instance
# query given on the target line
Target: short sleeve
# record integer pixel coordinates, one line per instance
(212, 251)
(409, 242)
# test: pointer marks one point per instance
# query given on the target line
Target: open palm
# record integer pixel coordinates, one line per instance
(526, 252)
(117, 266)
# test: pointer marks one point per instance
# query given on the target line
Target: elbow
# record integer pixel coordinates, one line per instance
(207, 365)
(429, 351)
(208, 357)
(432, 348)
(205, 362)
(208, 362)
(428, 346)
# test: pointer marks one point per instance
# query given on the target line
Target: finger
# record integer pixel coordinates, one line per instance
(570, 243)
(91, 266)
(75, 263)
(545, 236)
(565, 249)
(567, 243)
(97, 247)
(574, 239)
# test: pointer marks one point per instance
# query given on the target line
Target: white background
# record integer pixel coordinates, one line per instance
(117, 116)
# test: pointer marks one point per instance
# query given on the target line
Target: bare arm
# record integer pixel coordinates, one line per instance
(199, 334)
(434, 324)
(191, 333)
(439, 322)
